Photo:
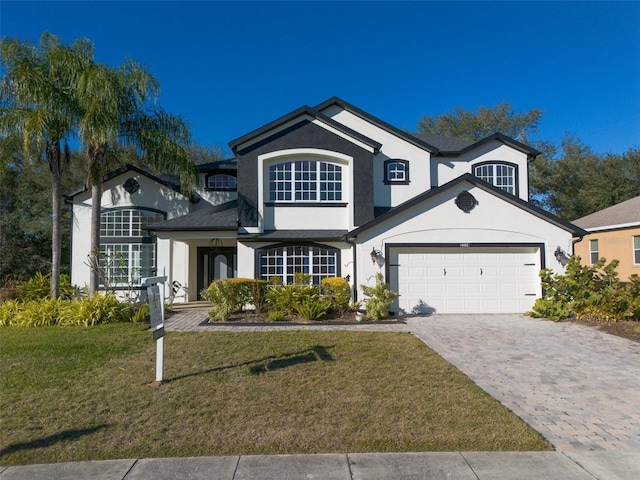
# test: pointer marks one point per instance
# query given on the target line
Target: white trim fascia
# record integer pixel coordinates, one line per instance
(613, 227)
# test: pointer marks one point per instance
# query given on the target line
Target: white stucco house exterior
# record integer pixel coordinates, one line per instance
(334, 191)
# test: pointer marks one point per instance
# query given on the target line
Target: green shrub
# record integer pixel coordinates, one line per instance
(286, 298)
(89, 311)
(313, 308)
(276, 316)
(39, 287)
(232, 294)
(338, 291)
(591, 292)
(380, 298)
(8, 311)
(141, 311)
(38, 313)
(50, 311)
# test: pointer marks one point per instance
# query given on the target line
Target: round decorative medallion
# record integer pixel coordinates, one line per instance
(466, 202)
(131, 185)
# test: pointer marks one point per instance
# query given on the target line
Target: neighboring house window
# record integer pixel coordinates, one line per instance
(221, 181)
(501, 175)
(127, 251)
(286, 260)
(396, 171)
(636, 250)
(594, 254)
(305, 181)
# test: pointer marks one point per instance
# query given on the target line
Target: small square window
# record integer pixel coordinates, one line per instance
(396, 171)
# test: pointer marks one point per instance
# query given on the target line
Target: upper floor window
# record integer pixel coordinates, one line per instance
(594, 253)
(127, 222)
(305, 181)
(636, 250)
(221, 181)
(501, 175)
(396, 171)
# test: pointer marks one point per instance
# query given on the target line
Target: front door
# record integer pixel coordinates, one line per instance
(215, 264)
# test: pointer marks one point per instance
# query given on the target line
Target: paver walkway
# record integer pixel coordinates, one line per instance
(578, 387)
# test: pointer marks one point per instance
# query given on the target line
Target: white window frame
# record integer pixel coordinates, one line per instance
(396, 172)
(502, 175)
(127, 263)
(636, 249)
(284, 261)
(306, 180)
(126, 250)
(594, 251)
(221, 181)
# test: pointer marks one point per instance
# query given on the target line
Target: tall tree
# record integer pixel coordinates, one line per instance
(474, 126)
(578, 181)
(35, 105)
(118, 107)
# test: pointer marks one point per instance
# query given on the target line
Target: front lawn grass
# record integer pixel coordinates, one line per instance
(74, 393)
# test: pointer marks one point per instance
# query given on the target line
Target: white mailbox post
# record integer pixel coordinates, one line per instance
(155, 295)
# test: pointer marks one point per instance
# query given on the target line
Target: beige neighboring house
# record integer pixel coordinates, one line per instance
(614, 233)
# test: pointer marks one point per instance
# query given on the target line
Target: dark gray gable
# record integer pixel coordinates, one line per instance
(301, 113)
(467, 177)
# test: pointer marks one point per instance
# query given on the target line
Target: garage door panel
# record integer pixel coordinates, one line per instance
(466, 280)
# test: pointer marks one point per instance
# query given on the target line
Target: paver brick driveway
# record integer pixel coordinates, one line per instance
(577, 386)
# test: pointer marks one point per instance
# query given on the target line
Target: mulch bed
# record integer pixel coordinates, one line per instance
(628, 329)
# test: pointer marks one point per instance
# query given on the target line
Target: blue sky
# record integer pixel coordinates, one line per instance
(231, 67)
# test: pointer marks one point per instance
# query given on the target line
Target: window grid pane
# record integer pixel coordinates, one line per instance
(593, 251)
(285, 262)
(636, 250)
(127, 263)
(306, 180)
(271, 263)
(221, 181)
(498, 175)
(330, 182)
(127, 223)
(280, 182)
(396, 172)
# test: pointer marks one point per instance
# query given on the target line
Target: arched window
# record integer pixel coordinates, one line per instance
(499, 174)
(284, 261)
(396, 171)
(127, 251)
(305, 181)
(221, 181)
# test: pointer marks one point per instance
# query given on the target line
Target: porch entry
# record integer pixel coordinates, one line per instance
(215, 264)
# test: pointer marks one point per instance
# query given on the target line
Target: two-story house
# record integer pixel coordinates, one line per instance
(335, 191)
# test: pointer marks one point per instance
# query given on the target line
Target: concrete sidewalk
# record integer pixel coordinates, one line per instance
(352, 466)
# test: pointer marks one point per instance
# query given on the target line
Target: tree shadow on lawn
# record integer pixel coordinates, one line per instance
(273, 362)
(51, 439)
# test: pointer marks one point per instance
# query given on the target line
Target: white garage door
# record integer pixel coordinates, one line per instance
(465, 280)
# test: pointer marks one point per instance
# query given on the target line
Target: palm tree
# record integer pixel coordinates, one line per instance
(118, 107)
(35, 106)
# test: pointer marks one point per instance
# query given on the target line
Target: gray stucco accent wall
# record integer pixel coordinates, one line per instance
(303, 135)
